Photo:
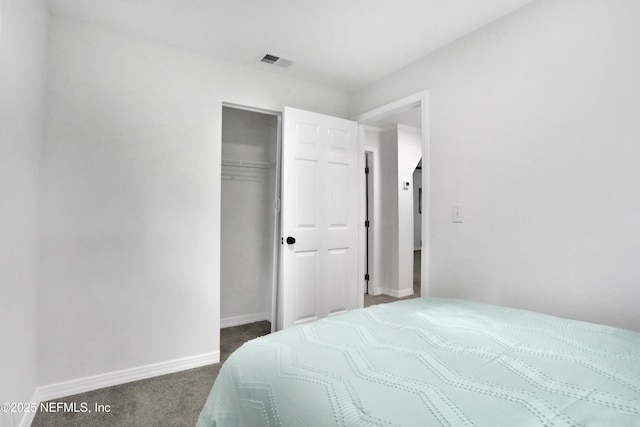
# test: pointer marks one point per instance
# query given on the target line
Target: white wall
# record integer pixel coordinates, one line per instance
(23, 29)
(247, 222)
(534, 129)
(131, 197)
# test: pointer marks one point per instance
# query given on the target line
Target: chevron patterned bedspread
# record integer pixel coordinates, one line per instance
(432, 362)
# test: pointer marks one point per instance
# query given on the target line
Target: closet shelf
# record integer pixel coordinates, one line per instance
(245, 164)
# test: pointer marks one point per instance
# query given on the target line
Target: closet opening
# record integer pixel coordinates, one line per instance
(250, 215)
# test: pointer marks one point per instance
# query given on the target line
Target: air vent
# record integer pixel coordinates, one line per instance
(276, 60)
(270, 59)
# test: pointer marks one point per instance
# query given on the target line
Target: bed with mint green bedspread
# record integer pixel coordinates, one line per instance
(432, 362)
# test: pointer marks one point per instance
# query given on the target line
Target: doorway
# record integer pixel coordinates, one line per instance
(386, 129)
(250, 181)
(417, 229)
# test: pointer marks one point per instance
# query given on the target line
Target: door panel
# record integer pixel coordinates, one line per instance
(306, 194)
(320, 210)
(306, 273)
(339, 208)
(338, 273)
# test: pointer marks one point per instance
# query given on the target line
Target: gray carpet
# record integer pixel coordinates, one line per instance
(168, 400)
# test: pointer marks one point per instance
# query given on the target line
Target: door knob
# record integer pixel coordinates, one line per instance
(291, 240)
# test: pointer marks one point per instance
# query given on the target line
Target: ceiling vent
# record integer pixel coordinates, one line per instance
(276, 60)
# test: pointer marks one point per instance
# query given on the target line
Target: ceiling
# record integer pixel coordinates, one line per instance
(344, 44)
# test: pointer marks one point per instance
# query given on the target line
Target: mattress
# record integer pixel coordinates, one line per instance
(432, 362)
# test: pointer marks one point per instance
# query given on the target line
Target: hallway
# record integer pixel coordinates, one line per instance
(370, 300)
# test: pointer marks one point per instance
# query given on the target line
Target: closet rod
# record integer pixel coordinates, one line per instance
(245, 164)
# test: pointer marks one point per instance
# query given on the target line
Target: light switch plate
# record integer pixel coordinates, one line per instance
(456, 214)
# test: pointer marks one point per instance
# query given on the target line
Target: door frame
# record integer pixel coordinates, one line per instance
(419, 99)
(371, 202)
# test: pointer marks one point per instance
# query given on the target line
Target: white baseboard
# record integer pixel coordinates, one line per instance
(82, 385)
(394, 292)
(28, 417)
(244, 319)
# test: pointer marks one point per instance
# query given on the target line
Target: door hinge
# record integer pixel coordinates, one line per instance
(367, 277)
(367, 223)
(366, 170)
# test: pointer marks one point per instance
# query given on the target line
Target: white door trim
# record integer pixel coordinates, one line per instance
(374, 234)
(420, 99)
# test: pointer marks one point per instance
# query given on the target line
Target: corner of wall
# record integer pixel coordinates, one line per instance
(23, 41)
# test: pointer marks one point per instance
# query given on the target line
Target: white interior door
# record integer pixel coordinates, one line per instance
(319, 275)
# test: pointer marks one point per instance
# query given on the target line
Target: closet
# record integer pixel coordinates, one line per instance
(249, 215)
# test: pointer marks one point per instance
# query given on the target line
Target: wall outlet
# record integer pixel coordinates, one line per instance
(456, 214)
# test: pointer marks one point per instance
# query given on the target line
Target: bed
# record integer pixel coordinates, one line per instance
(432, 362)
